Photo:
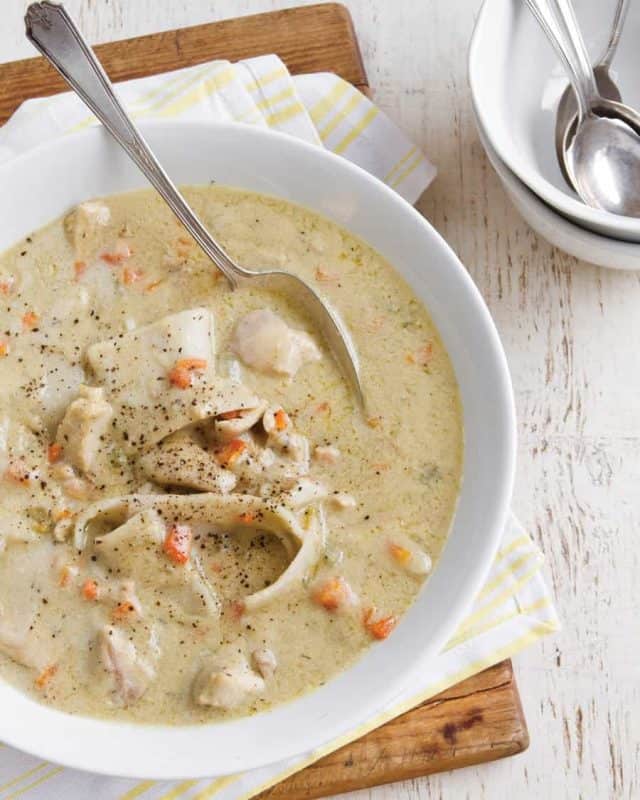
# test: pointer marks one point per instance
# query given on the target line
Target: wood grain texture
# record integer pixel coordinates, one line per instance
(571, 334)
(450, 731)
(303, 37)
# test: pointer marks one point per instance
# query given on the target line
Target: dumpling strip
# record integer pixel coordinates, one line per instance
(136, 549)
(302, 534)
(159, 378)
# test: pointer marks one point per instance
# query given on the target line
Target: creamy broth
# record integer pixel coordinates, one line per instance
(267, 532)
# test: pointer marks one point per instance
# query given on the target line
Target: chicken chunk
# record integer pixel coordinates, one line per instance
(282, 438)
(129, 674)
(85, 226)
(83, 427)
(18, 645)
(408, 556)
(304, 493)
(265, 342)
(343, 500)
(264, 661)
(180, 461)
(14, 527)
(259, 470)
(327, 454)
(227, 683)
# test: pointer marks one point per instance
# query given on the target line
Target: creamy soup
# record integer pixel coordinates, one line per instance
(197, 521)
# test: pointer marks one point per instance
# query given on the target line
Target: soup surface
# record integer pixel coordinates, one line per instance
(197, 521)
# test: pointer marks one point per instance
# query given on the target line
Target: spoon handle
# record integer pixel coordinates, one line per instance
(547, 20)
(54, 34)
(616, 31)
(576, 49)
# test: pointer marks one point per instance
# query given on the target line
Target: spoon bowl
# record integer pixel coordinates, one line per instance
(602, 157)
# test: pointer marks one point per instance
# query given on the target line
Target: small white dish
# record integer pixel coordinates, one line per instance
(572, 239)
(42, 184)
(516, 82)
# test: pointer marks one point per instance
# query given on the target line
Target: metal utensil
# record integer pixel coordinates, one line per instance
(601, 151)
(54, 34)
(567, 107)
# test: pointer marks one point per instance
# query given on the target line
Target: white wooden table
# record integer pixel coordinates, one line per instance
(572, 335)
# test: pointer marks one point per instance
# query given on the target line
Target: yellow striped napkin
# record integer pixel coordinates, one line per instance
(514, 608)
(322, 109)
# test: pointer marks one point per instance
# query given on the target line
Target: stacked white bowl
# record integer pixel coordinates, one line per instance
(516, 83)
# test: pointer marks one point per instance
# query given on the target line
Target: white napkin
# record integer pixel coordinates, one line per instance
(515, 607)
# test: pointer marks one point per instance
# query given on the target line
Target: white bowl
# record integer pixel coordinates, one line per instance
(516, 82)
(42, 184)
(577, 241)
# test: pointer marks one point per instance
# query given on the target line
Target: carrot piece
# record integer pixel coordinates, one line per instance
(237, 609)
(381, 627)
(180, 378)
(322, 276)
(119, 255)
(30, 320)
(399, 553)
(247, 517)
(90, 589)
(19, 472)
(45, 676)
(177, 543)
(130, 276)
(6, 287)
(79, 267)
(180, 374)
(67, 574)
(374, 324)
(192, 364)
(425, 354)
(230, 415)
(4, 349)
(54, 452)
(281, 419)
(151, 287)
(61, 513)
(333, 594)
(231, 452)
(122, 611)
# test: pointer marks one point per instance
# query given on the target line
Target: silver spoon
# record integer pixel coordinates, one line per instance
(567, 107)
(54, 34)
(601, 151)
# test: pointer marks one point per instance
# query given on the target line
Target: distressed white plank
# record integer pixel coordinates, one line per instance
(572, 335)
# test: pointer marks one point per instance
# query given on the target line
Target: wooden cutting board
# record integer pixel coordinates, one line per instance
(481, 718)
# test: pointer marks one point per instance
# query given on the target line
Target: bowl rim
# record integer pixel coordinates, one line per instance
(495, 510)
(604, 223)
